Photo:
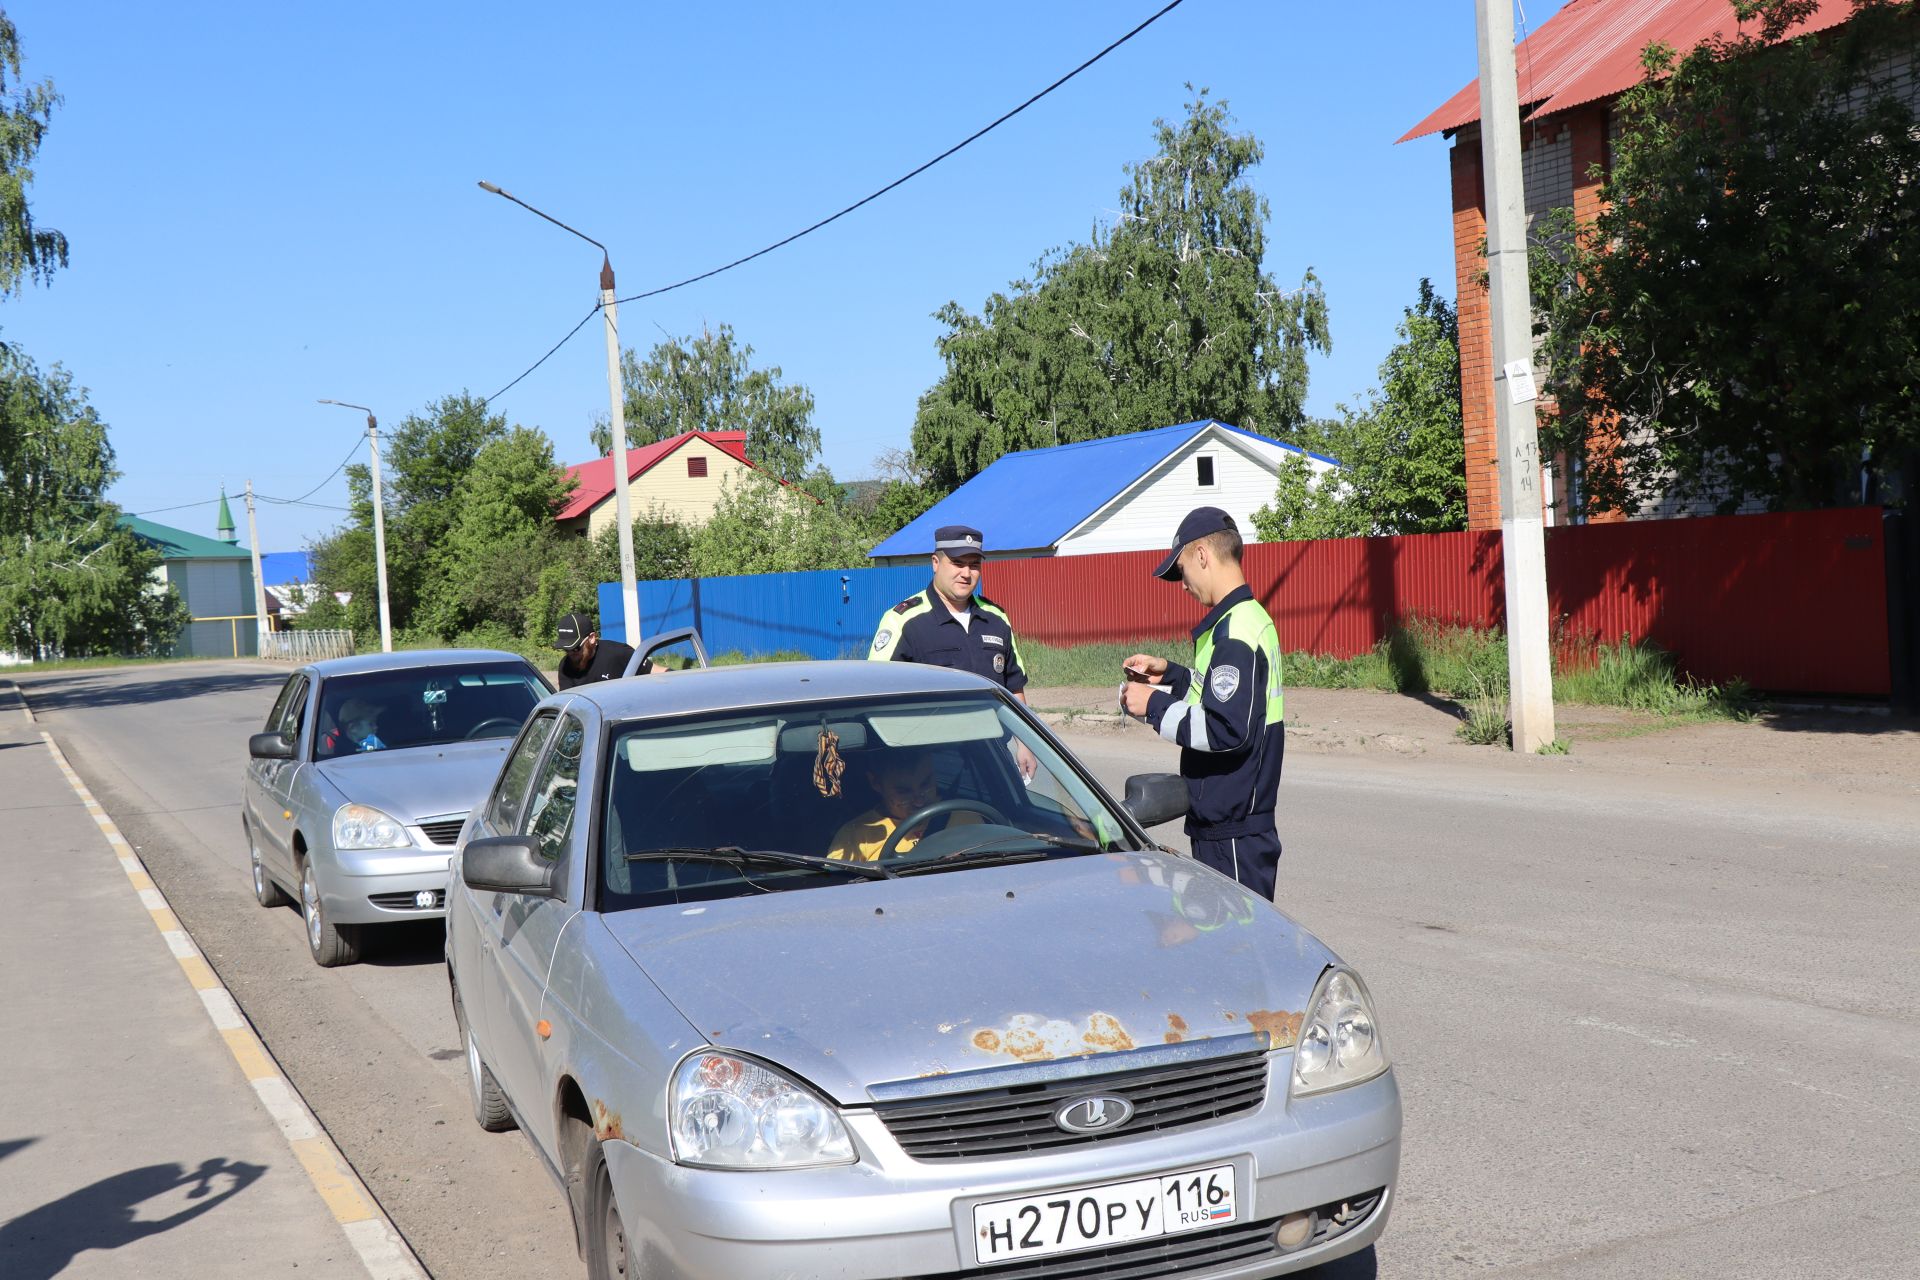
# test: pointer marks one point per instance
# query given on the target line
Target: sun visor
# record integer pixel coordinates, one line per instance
(683, 748)
(936, 726)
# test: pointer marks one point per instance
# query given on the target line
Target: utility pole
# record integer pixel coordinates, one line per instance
(259, 583)
(379, 523)
(1522, 524)
(622, 503)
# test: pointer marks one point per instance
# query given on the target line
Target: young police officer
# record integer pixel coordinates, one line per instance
(948, 625)
(1226, 712)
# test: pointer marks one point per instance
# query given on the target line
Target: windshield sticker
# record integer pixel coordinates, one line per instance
(1225, 682)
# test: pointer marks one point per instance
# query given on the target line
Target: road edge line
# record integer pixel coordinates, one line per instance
(382, 1250)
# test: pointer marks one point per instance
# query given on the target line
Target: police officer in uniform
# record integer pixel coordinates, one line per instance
(950, 625)
(1225, 713)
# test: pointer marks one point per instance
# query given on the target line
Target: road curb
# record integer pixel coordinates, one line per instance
(375, 1241)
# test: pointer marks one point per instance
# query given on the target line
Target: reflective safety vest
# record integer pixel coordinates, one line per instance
(1249, 623)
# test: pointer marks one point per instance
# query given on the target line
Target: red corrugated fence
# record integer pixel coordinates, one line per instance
(1789, 602)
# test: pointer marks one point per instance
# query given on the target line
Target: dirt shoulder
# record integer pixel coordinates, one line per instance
(1832, 753)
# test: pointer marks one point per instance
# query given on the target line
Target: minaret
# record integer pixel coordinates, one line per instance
(225, 528)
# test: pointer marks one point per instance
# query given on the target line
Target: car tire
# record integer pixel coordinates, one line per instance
(265, 891)
(328, 943)
(606, 1234)
(490, 1110)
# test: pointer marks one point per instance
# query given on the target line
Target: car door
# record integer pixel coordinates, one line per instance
(474, 950)
(530, 927)
(273, 780)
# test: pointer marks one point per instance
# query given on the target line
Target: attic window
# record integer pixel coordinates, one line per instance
(1203, 470)
(696, 468)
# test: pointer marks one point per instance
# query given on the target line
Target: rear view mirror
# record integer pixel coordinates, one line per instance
(269, 746)
(506, 864)
(1154, 798)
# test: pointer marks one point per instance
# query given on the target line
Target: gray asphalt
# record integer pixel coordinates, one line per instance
(1641, 1029)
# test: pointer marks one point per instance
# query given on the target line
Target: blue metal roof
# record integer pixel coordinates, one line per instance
(1028, 501)
(281, 568)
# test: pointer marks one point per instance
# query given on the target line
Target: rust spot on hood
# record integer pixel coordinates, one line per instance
(1029, 1038)
(1282, 1029)
(606, 1124)
(1176, 1029)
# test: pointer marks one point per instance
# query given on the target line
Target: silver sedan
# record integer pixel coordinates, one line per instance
(358, 786)
(786, 971)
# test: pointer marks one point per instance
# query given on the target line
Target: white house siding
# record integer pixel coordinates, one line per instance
(1244, 473)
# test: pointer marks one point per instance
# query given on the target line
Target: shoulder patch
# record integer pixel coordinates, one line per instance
(906, 606)
(1224, 682)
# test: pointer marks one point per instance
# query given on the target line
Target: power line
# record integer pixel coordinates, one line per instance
(543, 359)
(970, 138)
(323, 484)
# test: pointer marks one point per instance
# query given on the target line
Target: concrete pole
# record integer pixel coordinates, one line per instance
(622, 513)
(380, 537)
(259, 583)
(1522, 533)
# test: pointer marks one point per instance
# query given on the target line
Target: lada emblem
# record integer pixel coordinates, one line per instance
(1096, 1113)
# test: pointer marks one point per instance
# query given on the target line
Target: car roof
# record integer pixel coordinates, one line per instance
(409, 660)
(755, 684)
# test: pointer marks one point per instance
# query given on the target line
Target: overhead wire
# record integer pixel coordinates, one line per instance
(543, 359)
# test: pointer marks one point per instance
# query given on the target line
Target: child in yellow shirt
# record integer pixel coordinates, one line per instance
(905, 783)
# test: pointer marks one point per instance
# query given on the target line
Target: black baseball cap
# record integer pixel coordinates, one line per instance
(1200, 522)
(959, 540)
(573, 628)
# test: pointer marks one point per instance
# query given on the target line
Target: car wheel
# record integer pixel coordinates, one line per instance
(490, 1109)
(330, 944)
(265, 891)
(606, 1234)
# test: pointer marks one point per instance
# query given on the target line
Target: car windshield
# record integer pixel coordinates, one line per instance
(728, 804)
(424, 707)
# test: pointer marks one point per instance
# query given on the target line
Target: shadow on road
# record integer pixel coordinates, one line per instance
(1363, 1265)
(404, 946)
(40, 1243)
(10, 1145)
(103, 689)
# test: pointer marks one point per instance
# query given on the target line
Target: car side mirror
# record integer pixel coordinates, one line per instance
(1154, 798)
(506, 864)
(269, 746)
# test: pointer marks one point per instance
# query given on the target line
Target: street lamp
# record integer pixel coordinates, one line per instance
(629, 594)
(379, 523)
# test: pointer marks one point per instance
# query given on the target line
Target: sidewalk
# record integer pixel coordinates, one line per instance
(132, 1141)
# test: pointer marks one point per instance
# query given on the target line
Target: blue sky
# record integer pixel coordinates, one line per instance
(269, 204)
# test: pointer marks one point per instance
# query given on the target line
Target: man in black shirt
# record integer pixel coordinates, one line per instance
(588, 657)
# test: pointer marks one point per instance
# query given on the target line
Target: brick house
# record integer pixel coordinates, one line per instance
(1571, 72)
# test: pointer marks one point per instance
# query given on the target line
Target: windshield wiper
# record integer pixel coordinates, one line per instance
(733, 853)
(987, 852)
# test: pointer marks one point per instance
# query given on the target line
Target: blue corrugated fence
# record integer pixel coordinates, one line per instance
(826, 613)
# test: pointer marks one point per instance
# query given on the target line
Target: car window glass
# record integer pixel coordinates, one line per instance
(295, 716)
(549, 813)
(503, 810)
(425, 706)
(280, 703)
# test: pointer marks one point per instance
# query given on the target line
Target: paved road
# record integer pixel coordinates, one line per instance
(1640, 1031)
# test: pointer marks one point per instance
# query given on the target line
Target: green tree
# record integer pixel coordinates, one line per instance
(761, 526)
(488, 567)
(707, 383)
(1402, 453)
(74, 581)
(1168, 316)
(1741, 323)
(27, 253)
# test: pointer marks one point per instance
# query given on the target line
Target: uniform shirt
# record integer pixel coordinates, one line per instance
(610, 659)
(862, 839)
(1230, 747)
(922, 629)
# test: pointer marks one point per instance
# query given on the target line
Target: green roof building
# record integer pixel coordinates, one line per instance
(215, 578)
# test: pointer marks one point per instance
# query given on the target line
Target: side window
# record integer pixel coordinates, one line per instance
(295, 718)
(555, 791)
(279, 711)
(510, 793)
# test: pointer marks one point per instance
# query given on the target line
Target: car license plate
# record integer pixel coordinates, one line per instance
(1090, 1217)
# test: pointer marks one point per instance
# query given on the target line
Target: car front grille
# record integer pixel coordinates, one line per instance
(444, 830)
(1190, 1253)
(405, 901)
(989, 1123)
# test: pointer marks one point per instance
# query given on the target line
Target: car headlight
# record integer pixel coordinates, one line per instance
(361, 826)
(1339, 1040)
(729, 1112)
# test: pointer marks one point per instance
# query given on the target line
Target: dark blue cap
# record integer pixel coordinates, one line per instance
(1200, 522)
(958, 540)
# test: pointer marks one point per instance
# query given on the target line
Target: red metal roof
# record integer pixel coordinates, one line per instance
(1591, 49)
(596, 478)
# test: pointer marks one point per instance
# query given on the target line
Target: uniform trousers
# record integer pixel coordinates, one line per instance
(1253, 860)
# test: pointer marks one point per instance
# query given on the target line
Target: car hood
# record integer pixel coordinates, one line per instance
(855, 984)
(419, 782)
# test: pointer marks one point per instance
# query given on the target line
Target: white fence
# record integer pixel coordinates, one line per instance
(307, 646)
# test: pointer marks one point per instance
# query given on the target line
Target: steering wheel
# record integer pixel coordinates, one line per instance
(507, 723)
(934, 810)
